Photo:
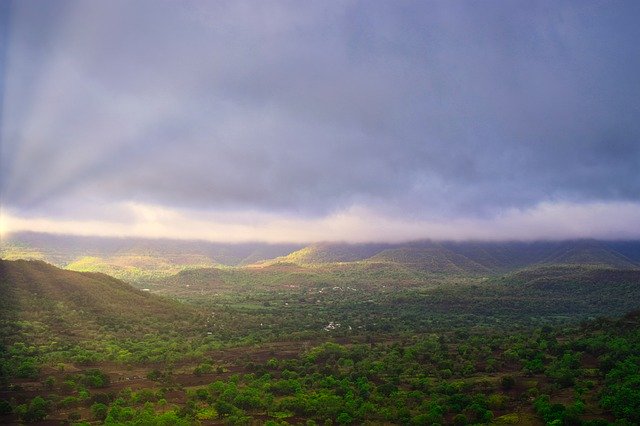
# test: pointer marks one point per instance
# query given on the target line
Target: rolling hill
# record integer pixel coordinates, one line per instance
(142, 262)
(322, 253)
(44, 303)
(472, 257)
(576, 275)
(61, 250)
(509, 256)
(577, 288)
(589, 253)
(134, 260)
(431, 259)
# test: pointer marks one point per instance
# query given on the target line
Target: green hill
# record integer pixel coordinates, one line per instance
(586, 288)
(42, 303)
(502, 256)
(589, 253)
(554, 276)
(146, 261)
(61, 250)
(321, 253)
(483, 257)
(431, 259)
(192, 281)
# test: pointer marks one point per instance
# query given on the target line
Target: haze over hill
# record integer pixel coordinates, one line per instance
(133, 259)
(143, 260)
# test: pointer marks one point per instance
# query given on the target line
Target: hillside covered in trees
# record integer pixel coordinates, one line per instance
(340, 343)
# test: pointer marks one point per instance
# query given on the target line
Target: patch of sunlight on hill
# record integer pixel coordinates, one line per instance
(136, 269)
(15, 252)
(321, 253)
(303, 256)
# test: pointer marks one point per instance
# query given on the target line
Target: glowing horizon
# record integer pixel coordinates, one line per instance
(545, 222)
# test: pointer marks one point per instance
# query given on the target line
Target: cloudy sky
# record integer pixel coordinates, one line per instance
(321, 120)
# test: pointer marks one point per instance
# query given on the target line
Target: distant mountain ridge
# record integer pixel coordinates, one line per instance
(590, 252)
(135, 260)
(139, 260)
(61, 250)
(474, 257)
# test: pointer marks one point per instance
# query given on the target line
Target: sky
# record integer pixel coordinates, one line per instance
(303, 121)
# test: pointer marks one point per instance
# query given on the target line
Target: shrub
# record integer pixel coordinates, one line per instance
(68, 401)
(508, 382)
(344, 419)
(497, 401)
(95, 379)
(28, 369)
(49, 382)
(99, 411)
(460, 420)
(35, 411)
(5, 407)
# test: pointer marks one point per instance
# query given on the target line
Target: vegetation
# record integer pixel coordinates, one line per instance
(140, 261)
(402, 337)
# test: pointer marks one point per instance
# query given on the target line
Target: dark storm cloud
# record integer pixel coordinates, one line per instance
(423, 108)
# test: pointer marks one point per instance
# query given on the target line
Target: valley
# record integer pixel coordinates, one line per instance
(425, 333)
(336, 213)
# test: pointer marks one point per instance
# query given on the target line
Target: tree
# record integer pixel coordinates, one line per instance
(344, 419)
(99, 411)
(37, 410)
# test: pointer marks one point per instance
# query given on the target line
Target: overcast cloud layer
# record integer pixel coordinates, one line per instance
(260, 120)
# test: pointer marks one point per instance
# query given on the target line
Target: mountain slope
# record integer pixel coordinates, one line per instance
(42, 301)
(589, 253)
(509, 256)
(332, 253)
(141, 261)
(61, 250)
(432, 259)
(591, 275)
(579, 287)
(474, 256)
(502, 256)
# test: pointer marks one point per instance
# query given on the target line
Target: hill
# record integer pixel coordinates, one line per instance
(321, 253)
(579, 276)
(143, 261)
(190, 281)
(431, 259)
(589, 253)
(592, 290)
(61, 250)
(42, 303)
(135, 260)
(473, 256)
(504, 256)
(510, 256)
